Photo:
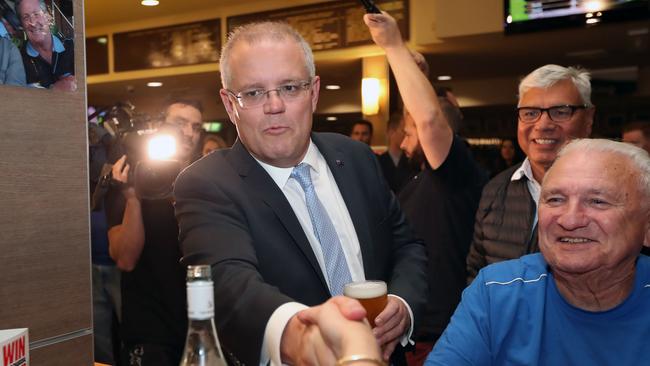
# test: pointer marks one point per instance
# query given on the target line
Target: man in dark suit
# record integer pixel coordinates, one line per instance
(287, 216)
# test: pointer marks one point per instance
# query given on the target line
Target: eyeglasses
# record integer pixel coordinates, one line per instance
(256, 97)
(29, 17)
(558, 113)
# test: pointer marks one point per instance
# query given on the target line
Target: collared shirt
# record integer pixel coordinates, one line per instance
(330, 196)
(39, 72)
(3, 31)
(533, 186)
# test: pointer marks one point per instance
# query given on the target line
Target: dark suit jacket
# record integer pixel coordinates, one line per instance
(233, 216)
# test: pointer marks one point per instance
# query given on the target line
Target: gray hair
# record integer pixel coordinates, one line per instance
(256, 32)
(548, 75)
(41, 3)
(638, 158)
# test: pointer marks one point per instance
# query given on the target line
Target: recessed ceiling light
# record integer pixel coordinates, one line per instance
(150, 2)
(332, 118)
(593, 20)
(102, 40)
(444, 77)
(154, 84)
(332, 87)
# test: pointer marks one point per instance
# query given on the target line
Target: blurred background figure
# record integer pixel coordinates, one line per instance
(637, 133)
(362, 131)
(107, 298)
(12, 71)
(211, 142)
(48, 60)
(509, 155)
(394, 163)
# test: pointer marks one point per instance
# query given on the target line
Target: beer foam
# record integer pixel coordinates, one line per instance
(365, 290)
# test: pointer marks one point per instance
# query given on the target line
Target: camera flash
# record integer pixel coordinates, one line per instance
(161, 147)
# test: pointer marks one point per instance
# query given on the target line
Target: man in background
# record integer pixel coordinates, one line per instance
(637, 133)
(441, 200)
(554, 107)
(394, 163)
(12, 71)
(362, 131)
(143, 242)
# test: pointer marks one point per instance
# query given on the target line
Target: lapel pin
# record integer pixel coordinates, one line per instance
(339, 163)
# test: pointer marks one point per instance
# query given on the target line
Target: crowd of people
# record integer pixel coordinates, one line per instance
(541, 264)
(40, 58)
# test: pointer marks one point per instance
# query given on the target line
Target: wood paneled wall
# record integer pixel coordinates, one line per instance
(45, 277)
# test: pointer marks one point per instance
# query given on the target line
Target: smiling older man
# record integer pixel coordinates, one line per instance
(554, 108)
(48, 60)
(582, 301)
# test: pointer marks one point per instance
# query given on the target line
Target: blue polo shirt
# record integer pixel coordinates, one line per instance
(39, 72)
(513, 314)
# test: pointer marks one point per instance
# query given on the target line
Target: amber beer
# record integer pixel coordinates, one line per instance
(371, 294)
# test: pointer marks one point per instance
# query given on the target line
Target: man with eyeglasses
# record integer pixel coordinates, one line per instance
(287, 217)
(554, 107)
(143, 242)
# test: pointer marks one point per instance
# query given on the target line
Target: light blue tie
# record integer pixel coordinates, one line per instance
(338, 272)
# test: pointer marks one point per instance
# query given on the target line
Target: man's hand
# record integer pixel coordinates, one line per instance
(391, 325)
(66, 83)
(341, 321)
(303, 344)
(383, 29)
(120, 172)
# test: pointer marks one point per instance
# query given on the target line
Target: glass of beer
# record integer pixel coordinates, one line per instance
(371, 294)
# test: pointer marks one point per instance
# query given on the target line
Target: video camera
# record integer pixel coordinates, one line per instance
(150, 147)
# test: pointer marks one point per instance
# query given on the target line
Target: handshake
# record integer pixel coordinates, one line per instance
(339, 331)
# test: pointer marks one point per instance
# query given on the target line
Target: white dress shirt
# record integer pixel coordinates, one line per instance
(533, 186)
(328, 193)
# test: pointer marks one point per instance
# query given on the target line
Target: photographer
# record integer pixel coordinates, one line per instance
(143, 241)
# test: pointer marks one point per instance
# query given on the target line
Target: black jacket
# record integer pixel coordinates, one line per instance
(504, 223)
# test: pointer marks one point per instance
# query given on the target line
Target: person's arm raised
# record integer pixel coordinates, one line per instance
(419, 97)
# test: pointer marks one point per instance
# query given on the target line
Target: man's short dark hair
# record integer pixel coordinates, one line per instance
(643, 125)
(395, 120)
(186, 101)
(365, 123)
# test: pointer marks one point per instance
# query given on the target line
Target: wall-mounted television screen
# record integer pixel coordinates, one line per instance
(534, 15)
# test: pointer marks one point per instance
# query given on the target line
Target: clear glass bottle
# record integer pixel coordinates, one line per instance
(202, 344)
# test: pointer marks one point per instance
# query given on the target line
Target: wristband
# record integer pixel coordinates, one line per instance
(347, 360)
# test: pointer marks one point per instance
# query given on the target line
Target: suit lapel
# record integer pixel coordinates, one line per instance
(260, 184)
(352, 192)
